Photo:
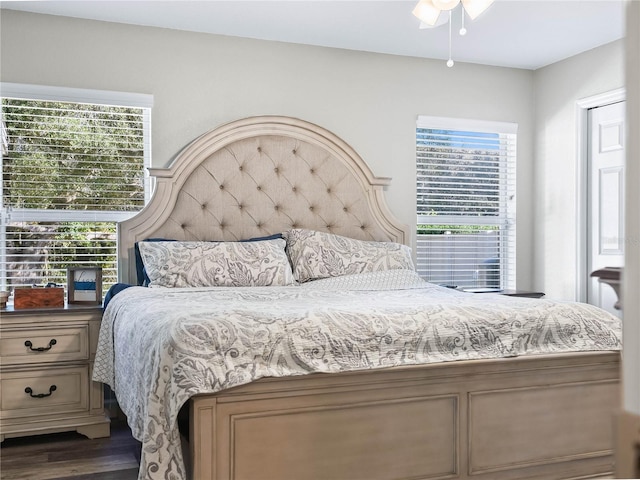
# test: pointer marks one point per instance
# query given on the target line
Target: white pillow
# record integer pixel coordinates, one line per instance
(216, 264)
(316, 255)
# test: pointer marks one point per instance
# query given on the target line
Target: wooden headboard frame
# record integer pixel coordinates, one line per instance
(259, 176)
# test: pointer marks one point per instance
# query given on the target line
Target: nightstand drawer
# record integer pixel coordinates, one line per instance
(44, 391)
(27, 346)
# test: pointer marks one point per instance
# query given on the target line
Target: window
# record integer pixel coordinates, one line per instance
(466, 207)
(73, 165)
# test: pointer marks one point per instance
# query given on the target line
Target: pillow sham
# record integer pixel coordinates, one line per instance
(216, 264)
(141, 274)
(315, 255)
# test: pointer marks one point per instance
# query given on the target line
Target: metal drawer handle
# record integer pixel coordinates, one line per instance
(28, 390)
(28, 343)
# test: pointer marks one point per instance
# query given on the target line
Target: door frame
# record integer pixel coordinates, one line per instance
(583, 106)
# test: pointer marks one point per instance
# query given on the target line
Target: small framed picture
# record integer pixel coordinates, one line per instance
(84, 285)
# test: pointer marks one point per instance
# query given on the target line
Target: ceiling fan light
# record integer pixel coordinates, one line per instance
(476, 7)
(426, 12)
(445, 4)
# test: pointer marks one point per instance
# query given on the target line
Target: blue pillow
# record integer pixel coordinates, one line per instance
(143, 278)
(115, 289)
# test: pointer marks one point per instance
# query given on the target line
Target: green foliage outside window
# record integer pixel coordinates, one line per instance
(72, 156)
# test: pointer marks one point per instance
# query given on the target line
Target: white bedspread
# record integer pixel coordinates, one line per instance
(158, 347)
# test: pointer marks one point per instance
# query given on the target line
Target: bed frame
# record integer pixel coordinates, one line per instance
(547, 416)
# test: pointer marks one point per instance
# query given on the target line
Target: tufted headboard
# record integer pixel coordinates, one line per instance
(259, 176)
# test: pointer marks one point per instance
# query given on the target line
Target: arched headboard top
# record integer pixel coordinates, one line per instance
(259, 176)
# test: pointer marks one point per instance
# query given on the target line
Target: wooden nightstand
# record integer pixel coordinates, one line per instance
(509, 293)
(46, 357)
(522, 293)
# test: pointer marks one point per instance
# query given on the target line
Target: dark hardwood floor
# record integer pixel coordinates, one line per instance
(71, 456)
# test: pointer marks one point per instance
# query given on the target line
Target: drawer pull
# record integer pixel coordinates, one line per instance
(28, 390)
(28, 343)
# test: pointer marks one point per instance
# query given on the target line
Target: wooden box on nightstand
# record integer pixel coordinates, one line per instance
(46, 361)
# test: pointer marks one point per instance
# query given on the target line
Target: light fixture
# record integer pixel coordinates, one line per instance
(475, 7)
(445, 4)
(429, 12)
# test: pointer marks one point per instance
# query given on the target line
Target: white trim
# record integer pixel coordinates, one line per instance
(52, 215)
(582, 150)
(631, 277)
(446, 123)
(146, 132)
(77, 95)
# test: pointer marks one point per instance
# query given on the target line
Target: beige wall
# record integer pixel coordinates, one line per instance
(200, 81)
(558, 88)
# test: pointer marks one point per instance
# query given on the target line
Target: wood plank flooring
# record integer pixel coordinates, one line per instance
(71, 456)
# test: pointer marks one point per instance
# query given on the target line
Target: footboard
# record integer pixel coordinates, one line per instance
(530, 417)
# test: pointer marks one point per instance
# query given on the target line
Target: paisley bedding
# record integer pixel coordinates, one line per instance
(160, 346)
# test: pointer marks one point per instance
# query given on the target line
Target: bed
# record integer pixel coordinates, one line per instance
(367, 373)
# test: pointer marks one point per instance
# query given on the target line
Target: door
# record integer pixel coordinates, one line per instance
(605, 198)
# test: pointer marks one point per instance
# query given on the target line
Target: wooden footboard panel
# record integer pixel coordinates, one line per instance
(531, 417)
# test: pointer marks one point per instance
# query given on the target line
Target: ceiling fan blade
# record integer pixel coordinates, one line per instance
(442, 19)
(476, 7)
(427, 12)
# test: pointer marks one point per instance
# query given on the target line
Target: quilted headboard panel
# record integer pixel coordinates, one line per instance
(259, 176)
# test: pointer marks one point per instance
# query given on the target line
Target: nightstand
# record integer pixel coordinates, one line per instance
(509, 293)
(522, 293)
(46, 357)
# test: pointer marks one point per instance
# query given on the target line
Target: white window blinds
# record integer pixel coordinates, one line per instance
(73, 165)
(466, 214)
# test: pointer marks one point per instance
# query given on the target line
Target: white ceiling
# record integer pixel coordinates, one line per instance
(511, 33)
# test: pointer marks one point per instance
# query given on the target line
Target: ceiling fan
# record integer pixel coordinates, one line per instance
(430, 14)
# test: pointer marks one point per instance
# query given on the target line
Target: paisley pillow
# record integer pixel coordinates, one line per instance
(216, 264)
(143, 278)
(315, 255)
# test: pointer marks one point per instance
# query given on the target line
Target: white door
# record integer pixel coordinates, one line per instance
(606, 198)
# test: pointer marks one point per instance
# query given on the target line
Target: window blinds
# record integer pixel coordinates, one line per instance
(465, 190)
(70, 171)
(67, 156)
(41, 251)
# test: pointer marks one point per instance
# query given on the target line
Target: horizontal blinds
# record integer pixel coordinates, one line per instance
(73, 156)
(70, 171)
(43, 250)
(464, 173)
(465, 190)
(465, 258)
